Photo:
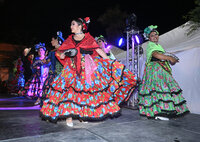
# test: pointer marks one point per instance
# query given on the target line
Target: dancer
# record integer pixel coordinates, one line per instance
(54, 69)
(27, 60)
(160, 96)
(103, 45)
(17, 82)
(40, 67)
(90, 86)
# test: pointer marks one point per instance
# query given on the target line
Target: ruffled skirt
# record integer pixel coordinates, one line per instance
(72, 96)
(160, 94)
(33, 87)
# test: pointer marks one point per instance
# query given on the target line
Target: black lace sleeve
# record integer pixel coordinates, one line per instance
(86, 51)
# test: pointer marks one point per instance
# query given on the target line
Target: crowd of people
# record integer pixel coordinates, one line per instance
(82, 79)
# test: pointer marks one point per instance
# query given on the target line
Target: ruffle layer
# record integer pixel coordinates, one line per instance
(162, 108)
(33, 87)
(70, 109)
(156, 97)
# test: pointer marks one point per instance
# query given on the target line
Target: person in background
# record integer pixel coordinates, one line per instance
(40, 68)
(160, 96)
(17, 82)
(54, 69)
(27, 60)
(103, 45)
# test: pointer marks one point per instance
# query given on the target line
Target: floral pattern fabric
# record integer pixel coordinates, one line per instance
(34, 86)
(159, 93)
(70, 95)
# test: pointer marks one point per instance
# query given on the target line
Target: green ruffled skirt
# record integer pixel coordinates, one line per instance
(160, 94)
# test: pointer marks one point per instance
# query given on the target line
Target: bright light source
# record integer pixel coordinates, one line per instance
(108, 46)
(137, 39)
(120, 42)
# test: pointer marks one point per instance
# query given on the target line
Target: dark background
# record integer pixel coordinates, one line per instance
(28, 21)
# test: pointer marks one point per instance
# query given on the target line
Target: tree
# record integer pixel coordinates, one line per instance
(194, 17)
(114, 22)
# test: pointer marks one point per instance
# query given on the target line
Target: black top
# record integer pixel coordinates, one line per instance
(76, 41)
(82, 50)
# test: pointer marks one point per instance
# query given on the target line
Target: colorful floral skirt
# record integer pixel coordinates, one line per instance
(33, 87)
(16, 83)
(160, 94)
(47, 84)
(72, 96)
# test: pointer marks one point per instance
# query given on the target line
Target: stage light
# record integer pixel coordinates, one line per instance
(121, 42)
(108, 46)
(131, 22)
(137, 39)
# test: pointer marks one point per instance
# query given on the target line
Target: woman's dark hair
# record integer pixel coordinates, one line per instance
(82, 23)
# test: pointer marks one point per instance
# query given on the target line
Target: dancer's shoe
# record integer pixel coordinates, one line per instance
(69, 122)
(37, 102)
(82, 121)
(161, 118)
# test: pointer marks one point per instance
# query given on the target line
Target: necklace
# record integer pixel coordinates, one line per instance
(79, 36)
(78, 33)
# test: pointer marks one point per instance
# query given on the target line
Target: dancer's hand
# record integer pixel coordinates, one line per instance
(44, 60)
(172, 60)
(26, 51)
(62, 56)
(102, 53)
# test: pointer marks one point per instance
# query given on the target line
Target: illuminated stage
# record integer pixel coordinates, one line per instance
(20, 122)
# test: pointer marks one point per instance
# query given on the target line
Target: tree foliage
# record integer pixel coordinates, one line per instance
(114, 22)
(194, 17)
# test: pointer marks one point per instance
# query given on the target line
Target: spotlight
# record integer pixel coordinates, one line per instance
(121, 42)
(108, 46)
(131, 22)
(137, 39)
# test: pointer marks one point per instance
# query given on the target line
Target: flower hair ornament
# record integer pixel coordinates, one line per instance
(148, 30)
(85, 22)
(40, 45)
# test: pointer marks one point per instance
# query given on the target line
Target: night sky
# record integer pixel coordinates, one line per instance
(23, 21)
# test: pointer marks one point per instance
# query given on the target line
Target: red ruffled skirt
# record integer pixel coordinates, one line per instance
(71, 95)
